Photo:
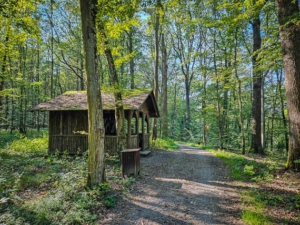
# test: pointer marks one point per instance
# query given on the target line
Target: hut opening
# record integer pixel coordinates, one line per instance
(68, 120)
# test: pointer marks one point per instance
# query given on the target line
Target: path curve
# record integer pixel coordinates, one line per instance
(186, 186)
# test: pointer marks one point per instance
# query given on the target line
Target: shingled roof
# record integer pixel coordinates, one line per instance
(77, 100)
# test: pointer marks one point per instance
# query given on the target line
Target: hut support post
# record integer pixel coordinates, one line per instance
(143, 131)
(148, 131)
(61, 123)
(148, 127)
(137, 117)
(50, 133)
(129, 129)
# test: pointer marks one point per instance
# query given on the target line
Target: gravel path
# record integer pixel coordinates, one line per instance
(186, 186)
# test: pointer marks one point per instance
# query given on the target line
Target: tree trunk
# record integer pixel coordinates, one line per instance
(173, 117)
(225, 102)
(52, 50)
(164, 88)
(119, 109)
(3, 72)
(187, 103)
(96, 166)
(204, 126)
(154, 132)
(23, 57)
(288, 11)
(240, 118)
(38, 88)
(284, 120)
(257, 87)
(131, 63)
(219, 113)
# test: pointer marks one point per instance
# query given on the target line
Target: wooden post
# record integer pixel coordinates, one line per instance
(143, 131)
(129, 129)
(148, 130)
(137, 117)
(148, 127)
(51, 115)
(61, 123)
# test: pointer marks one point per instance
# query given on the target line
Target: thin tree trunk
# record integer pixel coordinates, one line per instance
(173, 117)
(219, 116)
(284, 120)
(274, 106)
(241, 119)
(119, 109)
(23, 56)
(187, 103)
(96, 163)
(225, 103)
(164, 88)
(263, 129)
(131, 63)
(52, 50)
(257, 90)
(38, 88)
(204, 128)
(3, 71)
(156, 61)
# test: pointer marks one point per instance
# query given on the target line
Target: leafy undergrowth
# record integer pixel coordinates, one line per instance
(193, 144)
(270, 193)
(165, 143)
(40, 189)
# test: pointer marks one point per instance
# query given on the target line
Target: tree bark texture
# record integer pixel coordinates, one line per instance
(288, 11)
(3, 72)
(156, 60)
(204, 125)
(284, 120)
(240, 118)
(131, 63)
(164, 88)
(119, 109)
(257, 90)
(219, 113)
(96, 166)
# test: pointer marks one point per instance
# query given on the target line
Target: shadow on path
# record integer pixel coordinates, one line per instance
(187, 186)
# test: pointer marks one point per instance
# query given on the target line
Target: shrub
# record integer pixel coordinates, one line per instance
(165, 143)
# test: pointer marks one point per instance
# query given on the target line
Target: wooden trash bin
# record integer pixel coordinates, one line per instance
(130, 161)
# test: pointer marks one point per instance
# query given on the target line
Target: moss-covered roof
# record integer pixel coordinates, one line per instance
(77, 100)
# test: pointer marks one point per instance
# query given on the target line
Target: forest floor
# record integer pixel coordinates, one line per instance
(185, 186)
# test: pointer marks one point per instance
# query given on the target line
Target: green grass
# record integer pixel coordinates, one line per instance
(253, 212)
(166, 143)
(193, 144)
(40, 189)
(245, 170)
(250, 217)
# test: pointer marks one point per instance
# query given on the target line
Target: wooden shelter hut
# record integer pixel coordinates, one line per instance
(68, 120)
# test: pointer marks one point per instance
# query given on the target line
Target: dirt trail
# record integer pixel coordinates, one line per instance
(187, 186)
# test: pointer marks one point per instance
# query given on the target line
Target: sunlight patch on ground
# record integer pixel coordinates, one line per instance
(195, 188)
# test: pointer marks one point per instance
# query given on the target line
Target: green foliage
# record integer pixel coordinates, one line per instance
(254, 210)
(35, 189)
(255, 200)
(127, 183)
(110, 201)
(37, 145)
(254, 218)
(248, 170)
(165, 143)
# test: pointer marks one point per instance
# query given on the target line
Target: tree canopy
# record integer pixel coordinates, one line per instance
(219, 68)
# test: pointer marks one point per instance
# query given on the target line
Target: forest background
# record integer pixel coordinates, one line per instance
(220, 72)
